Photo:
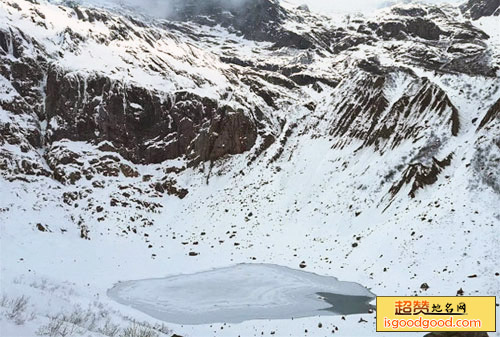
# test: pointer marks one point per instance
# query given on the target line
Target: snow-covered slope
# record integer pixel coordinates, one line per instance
(365, 148)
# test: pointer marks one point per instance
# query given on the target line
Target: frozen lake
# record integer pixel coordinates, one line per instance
(242, 292)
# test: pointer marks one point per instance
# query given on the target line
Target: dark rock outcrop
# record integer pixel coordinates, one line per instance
(363, 111)
(486, 158)
(420, 175)
(141, 124)
(230, 132)
(492, 115)
(476, 9)
(418, 27)
(409, 116)
(438, 47)
(258, 20)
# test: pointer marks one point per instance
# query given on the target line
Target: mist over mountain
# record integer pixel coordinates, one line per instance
(167, 8)
(164, 8)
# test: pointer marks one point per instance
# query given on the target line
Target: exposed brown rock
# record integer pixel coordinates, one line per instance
(168, 185)
(41, 227)
(421, 175)
(160, 129)
(128, 171)
(230, 132)
(492, 114)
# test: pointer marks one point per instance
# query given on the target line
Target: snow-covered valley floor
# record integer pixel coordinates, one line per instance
(308, 214)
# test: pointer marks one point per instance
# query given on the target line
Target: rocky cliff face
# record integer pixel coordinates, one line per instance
(144, 126)
(48, 99)
(476, 9)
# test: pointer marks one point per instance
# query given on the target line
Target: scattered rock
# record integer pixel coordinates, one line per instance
(84, 232)
(41, 227)
(128, 171)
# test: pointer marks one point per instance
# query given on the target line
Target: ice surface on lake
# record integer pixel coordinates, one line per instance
(242, 292)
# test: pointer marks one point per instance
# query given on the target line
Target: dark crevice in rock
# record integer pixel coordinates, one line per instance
(419, 175)
(492, 114)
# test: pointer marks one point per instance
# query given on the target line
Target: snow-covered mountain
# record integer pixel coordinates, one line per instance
(361, 147)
